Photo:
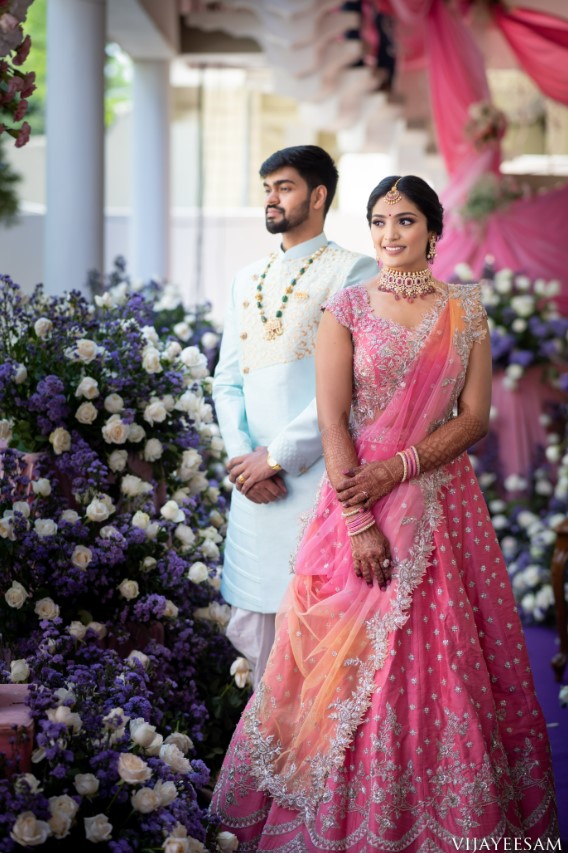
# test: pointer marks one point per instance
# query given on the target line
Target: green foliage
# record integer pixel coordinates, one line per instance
(36, 26)
(8, 195)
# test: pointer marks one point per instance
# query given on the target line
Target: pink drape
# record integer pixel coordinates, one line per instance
(540, 43)
(529, 236)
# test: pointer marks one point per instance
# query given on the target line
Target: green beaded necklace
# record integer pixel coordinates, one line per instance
(273, 326)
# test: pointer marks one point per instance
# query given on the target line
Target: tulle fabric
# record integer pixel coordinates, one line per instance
(387, 720)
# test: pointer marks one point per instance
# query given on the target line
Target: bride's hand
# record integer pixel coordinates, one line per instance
(372, 557)
(366, 484)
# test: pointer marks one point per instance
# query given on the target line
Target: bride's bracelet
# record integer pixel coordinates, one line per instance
(410, 463)
(359, 522)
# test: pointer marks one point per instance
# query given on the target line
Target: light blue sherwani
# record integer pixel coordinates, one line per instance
(264, 392)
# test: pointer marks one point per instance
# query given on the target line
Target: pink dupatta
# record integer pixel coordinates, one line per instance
(333, 631)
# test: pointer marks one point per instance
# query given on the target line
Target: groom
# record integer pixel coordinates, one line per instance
(264, 390)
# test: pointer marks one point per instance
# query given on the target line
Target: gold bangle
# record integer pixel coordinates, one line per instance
(404, 466)
(352, 512)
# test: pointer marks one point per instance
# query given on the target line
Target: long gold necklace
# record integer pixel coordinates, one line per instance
(406, 285)
(273, 326)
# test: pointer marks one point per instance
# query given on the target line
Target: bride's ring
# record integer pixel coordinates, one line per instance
(241, 479)
(366, 494)
(386, 564)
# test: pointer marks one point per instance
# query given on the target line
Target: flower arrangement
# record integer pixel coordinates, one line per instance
(112, 519)
(16, 86)
(486, 124)
(526, 518)
(526, 327)
(490, 193)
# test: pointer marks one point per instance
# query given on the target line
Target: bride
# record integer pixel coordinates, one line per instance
(397, 711)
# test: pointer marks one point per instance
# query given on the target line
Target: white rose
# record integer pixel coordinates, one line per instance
(152, 530)
(117, 460)
(129, 589)
(87, 388)
(16, 595)
(60, 440)
(81, 556)
(70, 516)
(171, 610)
(515, 483)
(97, 510)
(188, 403)
(497, 506)
(194, 360)
(7, 527)
(241, 672)
(150, 334)
(523, 305)
(175, 758)
(148, 563)
(141, 520)
(210, 550)
(113, 403)
(86, 350)
(98, 629)
(104, 301)
(28, 831)
(43, 327)
(86, 784)
(63, 804)
(132, 486)
(32, 782)
(98, 828)
(21, 374)
(155, 412)
(63, 714)
(514, 371)
(183, 742)
(110, 532)
(22, 507)
(77, 630)
(500, 522)
(6, 430)
(182, 331)
(115, 431)
(151, 360)
(141, 732)
(46, 608)
(153, 450)
(503, 286)
(41, 487)
(60, 825)
(180, 495)
(140, 657)
(45, 527)
(553, 453)
(145, 800)
(171, 512)
(136, 433)
(172, 350)
(133, 769)
(86, 413)
(522, 282)
(216, 518)
(115, 720)
(217, 446)
(166, 792)
(227, 842)
(209, 340)
(519, 325)
(198, 572)
(198, 483)
(185, 534)
(19, 671)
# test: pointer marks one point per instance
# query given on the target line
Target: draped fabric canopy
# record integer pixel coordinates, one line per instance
(530, 234)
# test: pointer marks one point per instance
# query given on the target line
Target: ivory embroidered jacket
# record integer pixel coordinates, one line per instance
(264, 392)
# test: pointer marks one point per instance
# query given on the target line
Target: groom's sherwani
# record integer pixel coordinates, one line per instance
(264, 392)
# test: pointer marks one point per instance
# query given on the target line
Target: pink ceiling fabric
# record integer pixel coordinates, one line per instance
(540, 43)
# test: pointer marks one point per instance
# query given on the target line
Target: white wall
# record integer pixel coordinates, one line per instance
(230, 240)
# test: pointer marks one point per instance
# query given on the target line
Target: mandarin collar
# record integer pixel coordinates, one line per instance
(303, 249)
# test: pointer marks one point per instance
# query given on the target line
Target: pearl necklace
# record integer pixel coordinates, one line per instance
(273, 327)
(406, 285)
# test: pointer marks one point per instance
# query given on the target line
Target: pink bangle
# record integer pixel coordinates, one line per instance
(360, 522)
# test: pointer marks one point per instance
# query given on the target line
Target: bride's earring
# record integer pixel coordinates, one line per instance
(431, 253)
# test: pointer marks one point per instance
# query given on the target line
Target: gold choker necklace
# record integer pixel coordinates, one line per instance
(406, 285)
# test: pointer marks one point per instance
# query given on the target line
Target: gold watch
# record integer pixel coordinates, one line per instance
(272, 463)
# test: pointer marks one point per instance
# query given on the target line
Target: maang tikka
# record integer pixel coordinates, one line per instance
(394, 195)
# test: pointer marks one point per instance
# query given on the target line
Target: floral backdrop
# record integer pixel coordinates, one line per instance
(112, 517)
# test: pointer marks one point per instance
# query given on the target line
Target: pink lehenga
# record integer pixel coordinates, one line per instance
(403, 720)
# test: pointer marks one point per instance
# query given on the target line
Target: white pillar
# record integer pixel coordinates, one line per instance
(75, 142)
(151, 169)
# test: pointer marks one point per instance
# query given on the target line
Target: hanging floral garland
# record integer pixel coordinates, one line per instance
(16, 86)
